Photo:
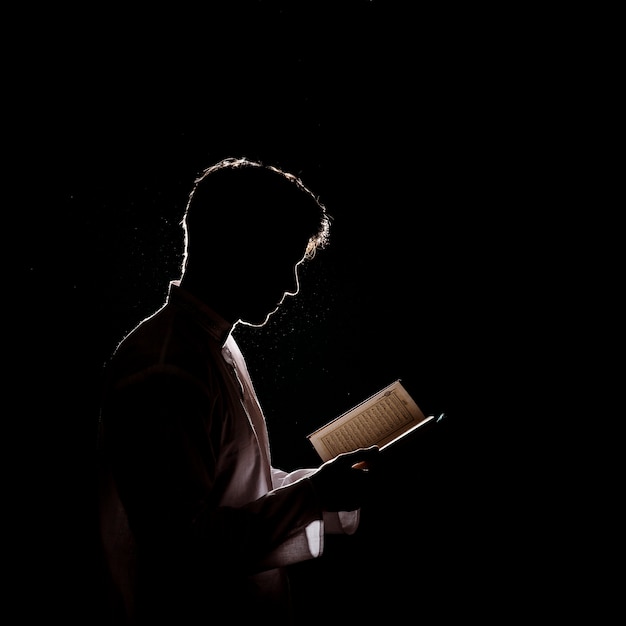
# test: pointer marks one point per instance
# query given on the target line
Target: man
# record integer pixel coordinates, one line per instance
(196, 523)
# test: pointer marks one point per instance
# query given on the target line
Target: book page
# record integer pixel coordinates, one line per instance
(379, 420)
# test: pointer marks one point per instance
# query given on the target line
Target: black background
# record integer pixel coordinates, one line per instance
(436, 141)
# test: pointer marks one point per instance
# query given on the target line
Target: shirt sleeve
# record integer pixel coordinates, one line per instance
(167, 480)
(332, 523)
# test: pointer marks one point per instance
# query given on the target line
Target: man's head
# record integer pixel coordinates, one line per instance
(247, 226)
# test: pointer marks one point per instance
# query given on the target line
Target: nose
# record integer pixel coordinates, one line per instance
(295, 282)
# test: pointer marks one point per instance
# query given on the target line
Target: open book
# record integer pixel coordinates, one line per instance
(380, 420)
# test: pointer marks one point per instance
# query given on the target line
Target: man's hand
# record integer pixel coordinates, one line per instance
(343, 483)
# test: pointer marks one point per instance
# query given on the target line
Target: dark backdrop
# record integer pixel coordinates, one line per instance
(427, 135)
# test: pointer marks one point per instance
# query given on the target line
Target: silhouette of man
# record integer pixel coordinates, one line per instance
(197, 526)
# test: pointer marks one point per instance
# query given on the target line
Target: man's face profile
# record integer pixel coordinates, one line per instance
(270, 283)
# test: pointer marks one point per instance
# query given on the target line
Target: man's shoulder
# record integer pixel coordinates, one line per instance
(167, 343)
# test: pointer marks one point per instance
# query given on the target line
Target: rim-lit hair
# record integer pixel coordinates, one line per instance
(319, 219)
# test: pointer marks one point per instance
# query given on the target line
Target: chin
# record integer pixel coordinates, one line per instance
(252, 324)
(258, 324)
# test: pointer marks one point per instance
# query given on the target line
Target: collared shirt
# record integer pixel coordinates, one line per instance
(190, 459)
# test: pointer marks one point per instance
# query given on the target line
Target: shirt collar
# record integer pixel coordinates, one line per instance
(211, 321)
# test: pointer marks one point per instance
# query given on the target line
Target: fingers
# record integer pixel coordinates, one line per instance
(366, 457)
(361, 453)
(339, 486)
(362, 465)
